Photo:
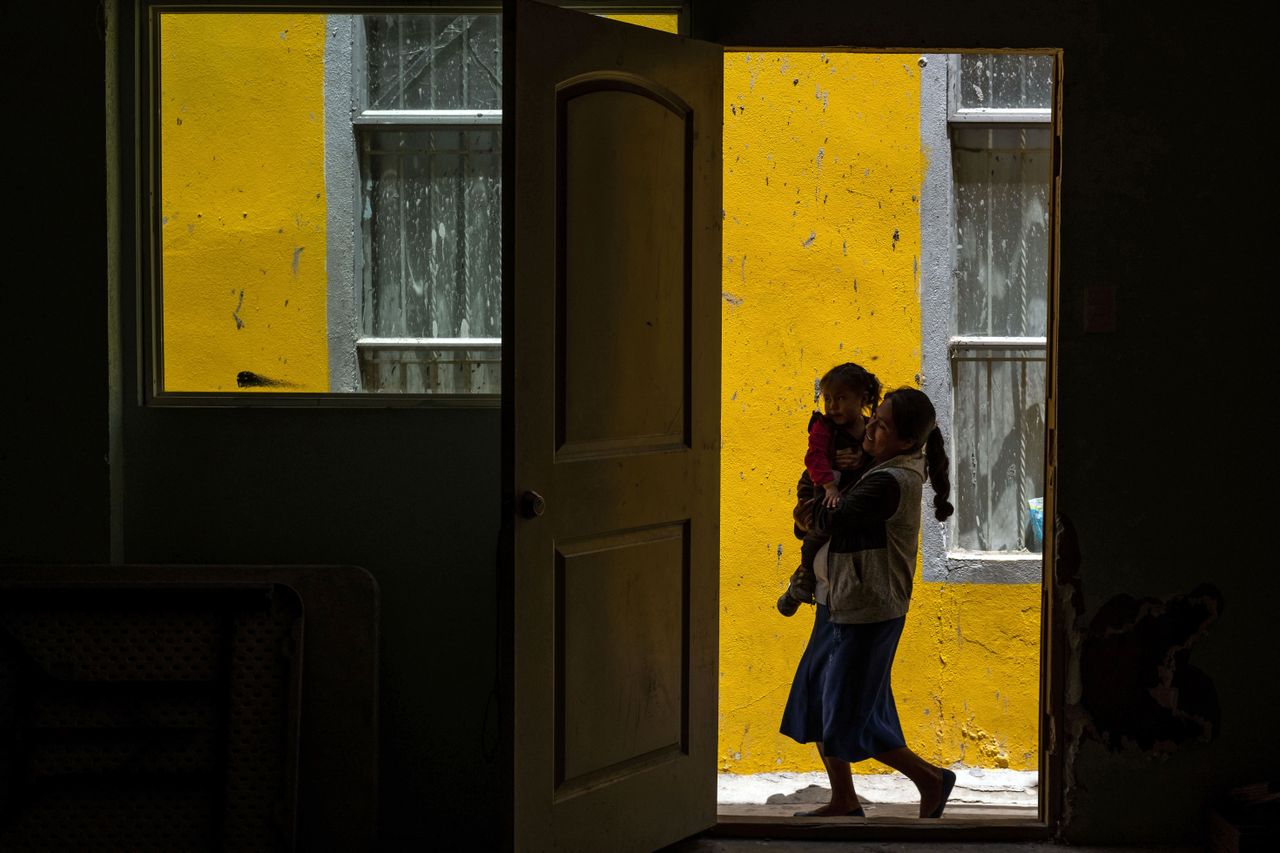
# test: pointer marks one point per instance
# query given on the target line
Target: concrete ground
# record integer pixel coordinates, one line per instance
(979, 796)
(769, 801)
(1009, 793)
(955, 811)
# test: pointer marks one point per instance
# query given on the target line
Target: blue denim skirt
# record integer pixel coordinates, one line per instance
(841, 694)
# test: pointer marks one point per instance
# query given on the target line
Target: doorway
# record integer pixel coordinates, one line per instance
(893, 210)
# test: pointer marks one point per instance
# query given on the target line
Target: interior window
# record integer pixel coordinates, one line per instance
(330, 195)
(329, 205)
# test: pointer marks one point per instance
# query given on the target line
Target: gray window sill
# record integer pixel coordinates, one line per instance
(983, 567)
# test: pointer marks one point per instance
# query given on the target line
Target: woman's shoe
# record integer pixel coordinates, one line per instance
(948, 782)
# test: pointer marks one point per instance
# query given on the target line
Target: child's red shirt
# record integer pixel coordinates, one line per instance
(822, 446)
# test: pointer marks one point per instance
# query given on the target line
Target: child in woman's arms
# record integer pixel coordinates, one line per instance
(848, 393)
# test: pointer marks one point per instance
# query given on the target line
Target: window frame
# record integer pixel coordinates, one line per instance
(943, 561)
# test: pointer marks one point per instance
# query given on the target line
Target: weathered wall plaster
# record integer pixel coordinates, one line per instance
(244, 231)
(1130, 688)
(1139, 685)
(937, 227)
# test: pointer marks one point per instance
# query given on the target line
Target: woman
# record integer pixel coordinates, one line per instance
(841, 697)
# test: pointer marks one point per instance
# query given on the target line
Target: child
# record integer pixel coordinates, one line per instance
(848, 392)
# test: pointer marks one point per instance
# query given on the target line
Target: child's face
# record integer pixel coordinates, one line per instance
(843, 405)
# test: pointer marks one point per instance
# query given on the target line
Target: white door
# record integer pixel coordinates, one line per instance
(612, 430)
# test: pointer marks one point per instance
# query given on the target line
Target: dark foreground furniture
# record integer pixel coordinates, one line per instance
(175, 708)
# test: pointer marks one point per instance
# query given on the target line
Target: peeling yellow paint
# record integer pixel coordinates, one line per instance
(823, 170)
(989, 750)
(243, 205)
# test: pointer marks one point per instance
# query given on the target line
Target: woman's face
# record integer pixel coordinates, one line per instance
(881, 439)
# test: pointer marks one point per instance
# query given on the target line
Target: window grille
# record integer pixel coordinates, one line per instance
(429, 136)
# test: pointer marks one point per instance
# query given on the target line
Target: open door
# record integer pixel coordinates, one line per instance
(611, 430)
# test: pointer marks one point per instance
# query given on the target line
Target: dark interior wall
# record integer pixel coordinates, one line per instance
(408, 495)
(53, 432)
(1161, 445)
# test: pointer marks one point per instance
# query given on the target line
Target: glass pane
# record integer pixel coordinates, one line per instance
(434, 62)
(1005, 81)
(1002, 237)
(998, 458)
(290, 235)
(431, 229)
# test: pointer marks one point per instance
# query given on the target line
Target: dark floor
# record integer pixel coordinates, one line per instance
(744, 845)
(759, 822)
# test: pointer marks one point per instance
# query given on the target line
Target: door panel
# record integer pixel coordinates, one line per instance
(621, 149)
(614, 366)
(620, 641)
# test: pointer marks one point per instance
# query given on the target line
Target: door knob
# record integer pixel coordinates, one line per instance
(532, 504)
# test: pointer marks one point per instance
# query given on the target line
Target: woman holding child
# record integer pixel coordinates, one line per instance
(865, 537)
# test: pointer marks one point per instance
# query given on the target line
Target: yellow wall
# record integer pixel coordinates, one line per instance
(823, 167)
(663, 22)
(243, 205)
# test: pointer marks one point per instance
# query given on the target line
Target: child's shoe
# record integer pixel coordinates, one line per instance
(799, 591)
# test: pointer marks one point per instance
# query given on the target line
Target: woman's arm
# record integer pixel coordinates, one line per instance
(874, 498)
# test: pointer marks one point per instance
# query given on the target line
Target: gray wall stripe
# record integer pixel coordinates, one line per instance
(341, 190)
